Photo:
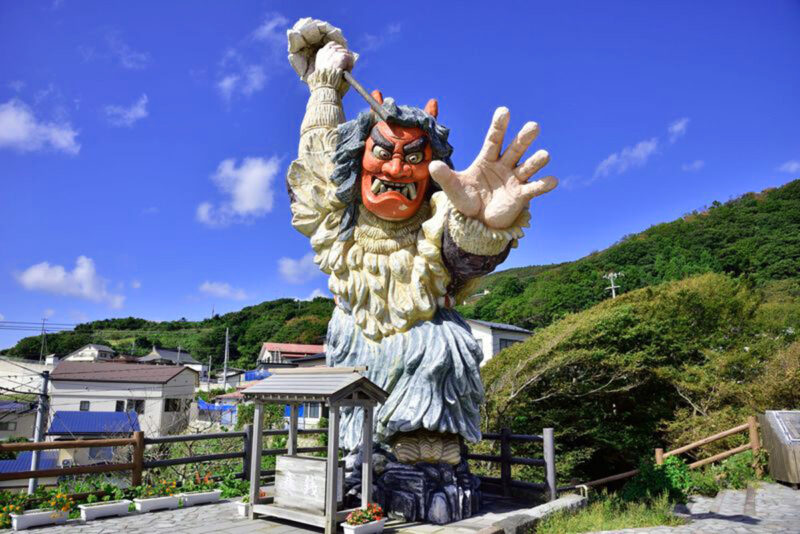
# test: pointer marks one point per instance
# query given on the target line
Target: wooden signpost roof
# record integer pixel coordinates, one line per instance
(309, 384)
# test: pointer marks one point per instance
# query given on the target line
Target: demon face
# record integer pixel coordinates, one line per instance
(394, 171)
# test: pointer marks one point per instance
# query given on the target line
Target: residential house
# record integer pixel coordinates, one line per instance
(17, 419)
(22, 462)
(315, 360)
(280, 354)
(160, 356)
(160, 395)
(494, 337)
(90, 353)
(77, 425)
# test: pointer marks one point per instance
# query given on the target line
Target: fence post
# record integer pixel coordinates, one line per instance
(550, 463)
(755, 442)
(248, 448)
(505, 461)
(138, 458)
(659, 456)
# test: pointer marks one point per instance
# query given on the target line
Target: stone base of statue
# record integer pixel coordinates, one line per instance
(433, 493)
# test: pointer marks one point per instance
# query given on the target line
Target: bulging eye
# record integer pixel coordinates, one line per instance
(381, 153)
(414, 158)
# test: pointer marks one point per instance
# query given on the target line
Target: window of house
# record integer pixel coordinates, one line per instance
(173, 405)
(135, 405)
(84, 406)
(312, 410)
(505, 343)
(9, 426)
(120, 407)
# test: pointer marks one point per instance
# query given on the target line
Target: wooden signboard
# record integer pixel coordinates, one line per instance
(300, 483)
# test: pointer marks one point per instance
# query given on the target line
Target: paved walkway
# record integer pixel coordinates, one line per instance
(771, 508)
(768, 508)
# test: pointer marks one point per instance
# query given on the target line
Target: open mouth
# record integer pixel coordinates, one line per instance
(380, 186)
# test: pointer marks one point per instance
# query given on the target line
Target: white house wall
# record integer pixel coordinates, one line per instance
(103, 397)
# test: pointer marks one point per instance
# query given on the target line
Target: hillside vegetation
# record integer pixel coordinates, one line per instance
(283, 320)
(756, 236)
(659, 366)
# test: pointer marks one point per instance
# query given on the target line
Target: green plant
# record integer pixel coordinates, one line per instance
(372, 512)
(611, 512)
(6, 511)
(232, 486)
(160, 488)
(671, 479)
(60, 502)
(199, 483)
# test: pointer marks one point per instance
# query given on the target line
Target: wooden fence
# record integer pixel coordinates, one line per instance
(139, 442)
(506, 484)
(754, 444)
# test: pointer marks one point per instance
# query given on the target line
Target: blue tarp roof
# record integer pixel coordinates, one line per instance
(47, 460)
(203, 405)
(93, 423)
(257, 374)
(12, 406)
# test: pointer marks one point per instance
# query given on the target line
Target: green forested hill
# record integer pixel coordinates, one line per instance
(283, 320)
(656, 367)
(756, 236)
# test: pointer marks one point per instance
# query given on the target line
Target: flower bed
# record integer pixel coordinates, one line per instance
(96, 510)
(37, 518)
(200, 497)
(369, 520)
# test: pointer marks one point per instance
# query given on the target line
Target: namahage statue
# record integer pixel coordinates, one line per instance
(402, 236)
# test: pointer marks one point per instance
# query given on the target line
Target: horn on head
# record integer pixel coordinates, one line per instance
(432, 107)
(377, 96)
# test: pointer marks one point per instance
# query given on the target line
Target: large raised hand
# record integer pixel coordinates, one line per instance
(494, 189)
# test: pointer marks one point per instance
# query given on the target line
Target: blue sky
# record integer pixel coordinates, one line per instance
(143, 144)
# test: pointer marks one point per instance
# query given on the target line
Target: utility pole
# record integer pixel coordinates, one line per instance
(208, 374)
(41, 420)
(179, 355)
(43, 347)
(612, 277)
(225, 364)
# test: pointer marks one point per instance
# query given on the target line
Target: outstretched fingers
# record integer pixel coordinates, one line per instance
(532, 165)
(494, 137)
(520, 144)
(453, 188)
(539, 187)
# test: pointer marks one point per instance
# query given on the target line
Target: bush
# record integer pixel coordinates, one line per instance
(654, 481)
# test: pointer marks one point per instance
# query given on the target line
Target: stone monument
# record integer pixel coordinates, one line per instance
(404, 237)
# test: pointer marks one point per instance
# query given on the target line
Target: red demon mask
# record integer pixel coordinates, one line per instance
(394, 168)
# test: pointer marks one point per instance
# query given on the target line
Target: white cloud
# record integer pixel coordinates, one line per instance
(150, 210)
(629, 157)
(16, 85)
(249, 187)
(298, 271)
(48, 312)
(20, 130)
(82, 282)
(790, 167)
(696, 165)
(2, 317)
(372, 42)
(272, 29)
(127, 57)
(677, 129)
(317, 293)
(222, 290)
(244, 67)
(136, 284)
(127, 116)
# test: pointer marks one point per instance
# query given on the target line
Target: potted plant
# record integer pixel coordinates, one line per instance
(158, 496)
(96, 510)
(243, 506)
(201, 491)
(55, 513)
(369, 520)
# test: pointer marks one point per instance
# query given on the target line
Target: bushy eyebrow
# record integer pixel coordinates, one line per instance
(415, 146)
(380, 140)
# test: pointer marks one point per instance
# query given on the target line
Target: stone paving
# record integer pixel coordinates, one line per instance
(769, 508)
